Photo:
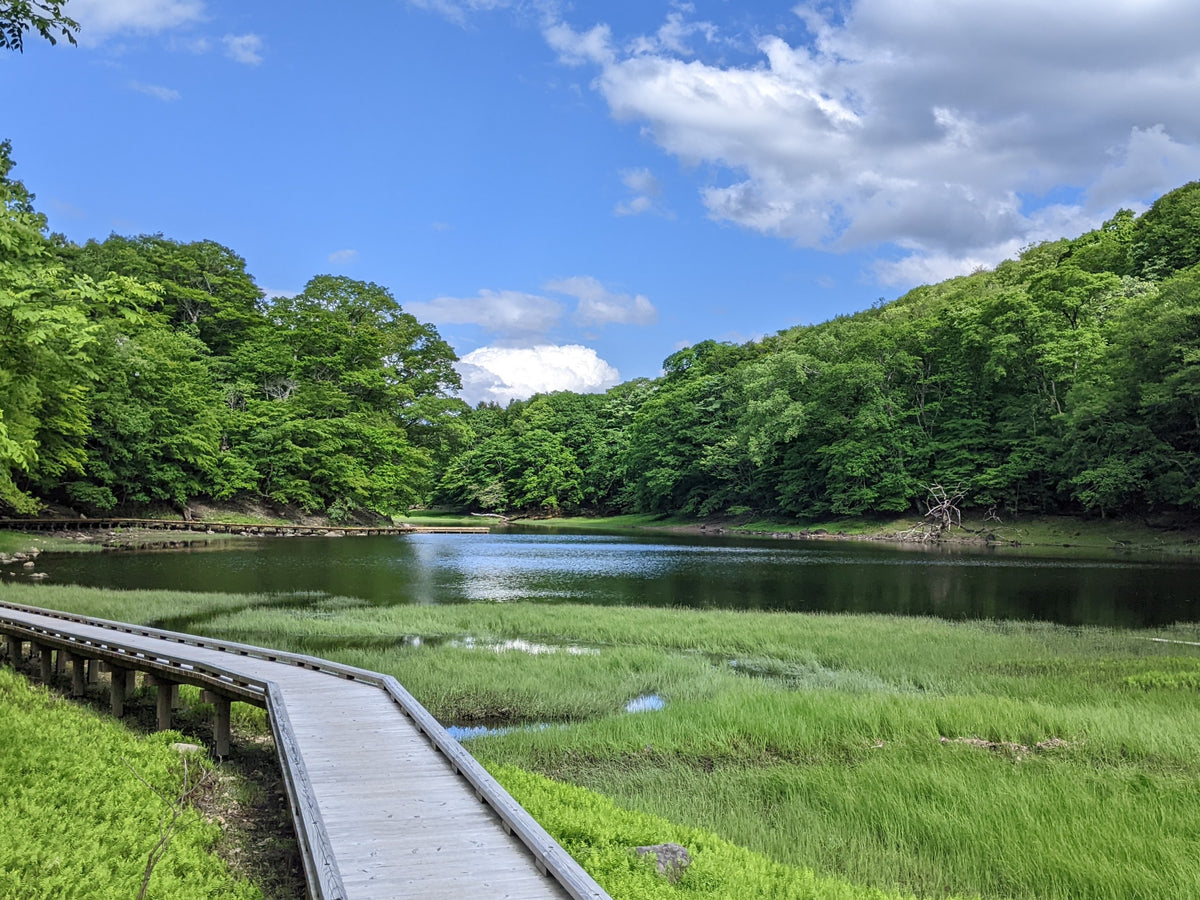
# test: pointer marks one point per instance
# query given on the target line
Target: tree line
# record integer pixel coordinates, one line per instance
(140, 370)
(1066, 380)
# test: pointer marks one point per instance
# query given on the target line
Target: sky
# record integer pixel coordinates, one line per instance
(571, 192)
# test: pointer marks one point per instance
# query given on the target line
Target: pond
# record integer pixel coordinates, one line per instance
(658, 570)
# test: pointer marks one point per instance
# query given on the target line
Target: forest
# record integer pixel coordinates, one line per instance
(140, 372)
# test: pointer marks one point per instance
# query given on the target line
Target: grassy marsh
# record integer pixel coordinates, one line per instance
(876, 754)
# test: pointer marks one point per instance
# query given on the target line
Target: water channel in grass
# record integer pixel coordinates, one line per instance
(558, 567)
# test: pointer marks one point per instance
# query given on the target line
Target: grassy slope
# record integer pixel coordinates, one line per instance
(75, 821)
(821, 749)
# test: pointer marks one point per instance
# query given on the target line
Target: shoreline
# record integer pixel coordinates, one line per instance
(1037, 533)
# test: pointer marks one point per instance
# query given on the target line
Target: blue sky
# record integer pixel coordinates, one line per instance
(573, 191)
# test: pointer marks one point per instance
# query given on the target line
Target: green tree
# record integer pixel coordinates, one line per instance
(203, 288)
(46, 17)
(341, 403)
(1167, 236)
(154, 430)
(49, 325)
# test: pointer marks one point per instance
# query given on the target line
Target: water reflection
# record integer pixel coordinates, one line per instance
(645, 703)
(670, 571)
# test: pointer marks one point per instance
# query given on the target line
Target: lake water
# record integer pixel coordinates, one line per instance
(659, 570)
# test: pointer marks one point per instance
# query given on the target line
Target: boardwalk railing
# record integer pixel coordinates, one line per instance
(165, 658)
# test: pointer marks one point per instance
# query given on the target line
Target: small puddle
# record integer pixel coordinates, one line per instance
(469, 732)
(521, 646)
(645, 703)
(642, 703)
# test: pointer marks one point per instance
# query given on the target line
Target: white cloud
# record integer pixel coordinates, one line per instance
(597, 305)
(157, 91)
(501, 374)
(930, 125)
(458, 10)
(511, 315)
(343, 256)
(575, 48)
(100, 18)
(646, 191)
(243, 48)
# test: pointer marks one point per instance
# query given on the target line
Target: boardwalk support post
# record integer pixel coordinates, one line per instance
(14, 651)
(93, 671)
(119, 689)
(221, 726)
(46, 659)
(168, 694)
(78, 673)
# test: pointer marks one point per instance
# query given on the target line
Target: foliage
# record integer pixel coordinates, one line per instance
(141, 370)
(75, 821)
(43, 16)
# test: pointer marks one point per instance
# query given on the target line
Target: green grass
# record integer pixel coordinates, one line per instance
(22, 542)
(808, 742)
(76, 821)
(438, 518)
(630, 522)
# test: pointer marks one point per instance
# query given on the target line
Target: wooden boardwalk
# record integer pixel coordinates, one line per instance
(386, 804)
(113, 524)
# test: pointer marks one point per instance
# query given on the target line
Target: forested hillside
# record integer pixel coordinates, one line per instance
(141, 370)
(1065, 380)
(147, 371)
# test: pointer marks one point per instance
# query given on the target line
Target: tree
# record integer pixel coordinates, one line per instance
(1167, 236)
(203, 288)
(49, 326)
(43, 16)
(341, 403)
(154, 431)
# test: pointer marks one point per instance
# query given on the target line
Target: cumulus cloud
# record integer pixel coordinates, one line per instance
(343, 256)
(597, 305)
(157, 91)
(101, 18)
(501, 374)
(511, 315)
(931, 125)
(243, 48)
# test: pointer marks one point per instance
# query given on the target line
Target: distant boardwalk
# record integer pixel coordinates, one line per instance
(386, 804)
(111, 524)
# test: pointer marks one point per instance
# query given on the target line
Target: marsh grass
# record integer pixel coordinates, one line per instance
(875, 753)
(21, 541)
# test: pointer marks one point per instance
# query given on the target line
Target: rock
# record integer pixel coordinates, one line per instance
(671, 859)
(28, 565)
(186, 749)
(38, 575)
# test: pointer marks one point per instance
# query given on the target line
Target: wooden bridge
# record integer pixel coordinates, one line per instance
(114, 523)
(386, 804)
